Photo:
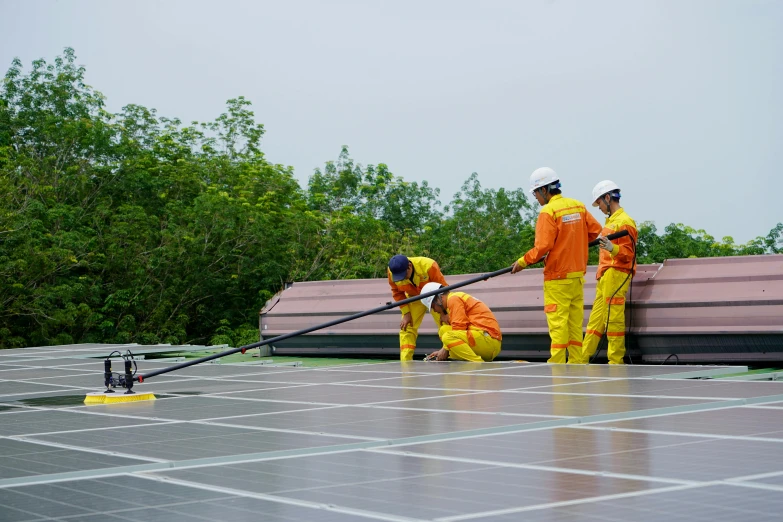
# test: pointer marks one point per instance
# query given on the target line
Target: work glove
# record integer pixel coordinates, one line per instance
(605, 244)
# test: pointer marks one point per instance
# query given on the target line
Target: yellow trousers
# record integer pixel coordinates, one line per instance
(611, 281)
(457, 342)
(564, 307)
(411, 333)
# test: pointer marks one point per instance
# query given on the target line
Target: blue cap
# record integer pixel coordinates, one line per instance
(398, 265)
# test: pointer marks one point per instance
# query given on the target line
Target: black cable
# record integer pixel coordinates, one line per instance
(609, 306)
(130, 354)
(669, 357)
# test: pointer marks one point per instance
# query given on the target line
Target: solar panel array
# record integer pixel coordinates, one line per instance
(387, 441)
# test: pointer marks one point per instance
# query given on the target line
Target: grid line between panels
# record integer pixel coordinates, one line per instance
(407, 441)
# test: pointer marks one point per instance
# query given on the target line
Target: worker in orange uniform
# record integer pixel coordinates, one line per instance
(407, 276)
(563, 229)
(468, 331)
(616, 267)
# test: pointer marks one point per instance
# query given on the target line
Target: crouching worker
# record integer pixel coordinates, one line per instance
(468, 331)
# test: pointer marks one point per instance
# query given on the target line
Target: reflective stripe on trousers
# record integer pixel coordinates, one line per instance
(411, 333)
(610, 281)
(564, 307)
(469, 345)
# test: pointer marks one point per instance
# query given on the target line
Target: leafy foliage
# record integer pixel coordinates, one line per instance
(680, 241)
(486, 229)
(133, 227)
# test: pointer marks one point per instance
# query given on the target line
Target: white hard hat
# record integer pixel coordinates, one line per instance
(604, 187)
(542, 177)
(429, 287)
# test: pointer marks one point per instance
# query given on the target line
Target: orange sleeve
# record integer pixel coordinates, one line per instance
(624, 256)
(435, 274)
(546, 232)
(458, 317)
(594, 228)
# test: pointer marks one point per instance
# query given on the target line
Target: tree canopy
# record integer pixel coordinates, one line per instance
(135, 227)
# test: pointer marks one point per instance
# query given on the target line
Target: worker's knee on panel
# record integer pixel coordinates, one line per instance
(456, 342)
(460, 350)
(486, 347)
(463, 352)
(496, 348)
(449, 336)
(454, 338)
(406, 354)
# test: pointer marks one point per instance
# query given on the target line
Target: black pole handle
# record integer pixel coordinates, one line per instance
(594, 242)
(335, 322)
(616, 235)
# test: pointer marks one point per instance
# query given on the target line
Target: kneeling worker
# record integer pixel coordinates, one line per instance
(469, 330)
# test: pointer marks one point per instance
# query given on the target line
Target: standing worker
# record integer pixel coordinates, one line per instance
(407, 276)
(563, 229)
(616, 267)
(468, 331)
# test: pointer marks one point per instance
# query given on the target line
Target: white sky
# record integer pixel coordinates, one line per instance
(678, 101)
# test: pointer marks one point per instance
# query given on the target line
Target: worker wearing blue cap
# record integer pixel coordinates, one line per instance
(407, 276)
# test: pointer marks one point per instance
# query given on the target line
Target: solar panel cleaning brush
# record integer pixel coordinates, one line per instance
(112, 380)
(109, 398)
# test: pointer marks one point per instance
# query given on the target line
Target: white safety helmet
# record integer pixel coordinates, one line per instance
(429, 287)
(604, 187)
(542, 177)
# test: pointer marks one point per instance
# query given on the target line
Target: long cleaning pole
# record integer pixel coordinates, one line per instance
(243, 349)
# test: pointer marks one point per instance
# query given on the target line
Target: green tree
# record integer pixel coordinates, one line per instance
(133, 227)
(773, 242)
(484, 230)
(680, 241)
(361, 216)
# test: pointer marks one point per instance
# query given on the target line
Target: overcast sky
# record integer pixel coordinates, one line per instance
(678, 101)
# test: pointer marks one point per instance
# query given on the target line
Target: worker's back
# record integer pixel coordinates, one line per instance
(475, 314)
(569, 227)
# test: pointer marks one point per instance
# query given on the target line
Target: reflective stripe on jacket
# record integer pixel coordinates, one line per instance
(465, 312)
(621, 256)
(563, 229)
(425, 270)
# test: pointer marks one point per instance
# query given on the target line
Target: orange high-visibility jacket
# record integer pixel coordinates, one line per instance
(466, 311)
(563, 229)
(621, 256)
(425, 270)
